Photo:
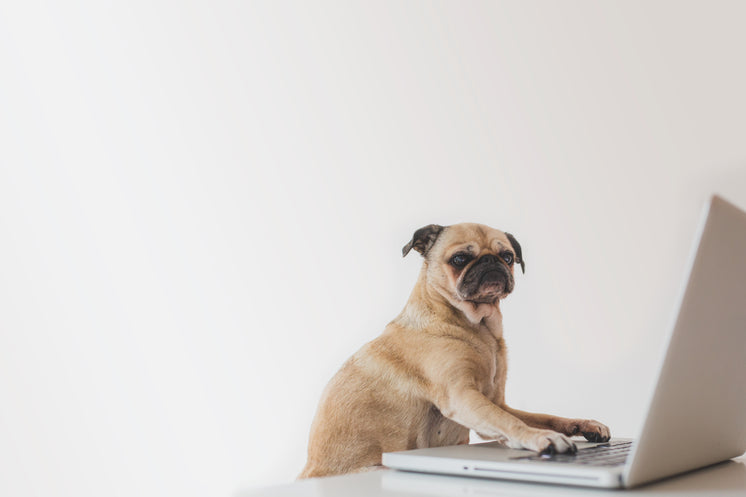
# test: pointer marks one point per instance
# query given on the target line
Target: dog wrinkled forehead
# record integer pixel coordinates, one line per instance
(479, 236)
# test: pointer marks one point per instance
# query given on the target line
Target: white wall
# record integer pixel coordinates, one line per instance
(202, 206)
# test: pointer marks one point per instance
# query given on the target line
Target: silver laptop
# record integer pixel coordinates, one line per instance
(697, 414)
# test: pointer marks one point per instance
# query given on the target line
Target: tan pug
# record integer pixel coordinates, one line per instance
(439, 367)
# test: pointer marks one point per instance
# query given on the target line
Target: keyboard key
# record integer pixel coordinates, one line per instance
(608, 454)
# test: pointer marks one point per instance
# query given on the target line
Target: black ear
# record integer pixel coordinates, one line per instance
(423, 239)
(517, 249)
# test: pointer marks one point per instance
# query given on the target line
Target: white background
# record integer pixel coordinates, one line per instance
(203, 204)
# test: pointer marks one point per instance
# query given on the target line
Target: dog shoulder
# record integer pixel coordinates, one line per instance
(392, 360)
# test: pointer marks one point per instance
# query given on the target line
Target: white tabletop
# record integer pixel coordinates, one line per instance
(725, 479)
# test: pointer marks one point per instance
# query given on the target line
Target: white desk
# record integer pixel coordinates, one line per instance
(726, 479)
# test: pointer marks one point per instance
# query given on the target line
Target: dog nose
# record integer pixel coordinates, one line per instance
(489, 259)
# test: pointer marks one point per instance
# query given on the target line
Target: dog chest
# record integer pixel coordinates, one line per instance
(495, 362)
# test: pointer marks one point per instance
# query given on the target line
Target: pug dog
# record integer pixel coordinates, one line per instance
(439, 368)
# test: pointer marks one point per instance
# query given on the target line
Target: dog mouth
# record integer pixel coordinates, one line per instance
(492, 277)
(487, 287)
(488, 294)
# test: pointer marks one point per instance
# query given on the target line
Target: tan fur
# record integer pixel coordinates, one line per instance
(438, 370)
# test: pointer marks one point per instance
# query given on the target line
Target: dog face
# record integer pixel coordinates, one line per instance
(468, 262)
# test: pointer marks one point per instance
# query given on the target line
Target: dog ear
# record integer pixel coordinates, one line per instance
(517, 249)
(423, 239)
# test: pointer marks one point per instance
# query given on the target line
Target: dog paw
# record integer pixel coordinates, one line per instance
(592, 430)
(545, 442)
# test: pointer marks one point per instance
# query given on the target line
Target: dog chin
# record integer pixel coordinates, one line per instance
(488, 292)
(484, 300)
(489, 296)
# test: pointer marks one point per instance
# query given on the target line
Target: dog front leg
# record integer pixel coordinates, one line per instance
(470, 408)
(591, 429)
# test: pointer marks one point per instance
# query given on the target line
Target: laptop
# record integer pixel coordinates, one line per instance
(697, 414)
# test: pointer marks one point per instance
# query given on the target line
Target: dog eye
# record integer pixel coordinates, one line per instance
(460, 260)
(507, 257)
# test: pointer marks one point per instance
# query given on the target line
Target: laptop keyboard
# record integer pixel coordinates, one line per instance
(609, 454)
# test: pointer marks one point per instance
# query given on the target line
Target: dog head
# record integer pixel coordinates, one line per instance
(468, 262)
